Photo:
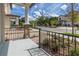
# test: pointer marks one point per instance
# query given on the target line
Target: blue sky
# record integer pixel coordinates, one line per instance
(46, 9)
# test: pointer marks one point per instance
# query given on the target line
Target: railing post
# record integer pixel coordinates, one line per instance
(39, 37)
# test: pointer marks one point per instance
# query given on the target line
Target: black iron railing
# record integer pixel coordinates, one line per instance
(58, 43)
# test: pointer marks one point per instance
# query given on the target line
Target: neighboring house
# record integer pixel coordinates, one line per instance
(11, 20)
(65, 20)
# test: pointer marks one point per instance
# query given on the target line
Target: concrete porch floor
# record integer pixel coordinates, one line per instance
(18, 47)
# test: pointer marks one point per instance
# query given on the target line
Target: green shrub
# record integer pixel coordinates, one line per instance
(73, 53)
(21, 24)
(54, 47)
(77, 28)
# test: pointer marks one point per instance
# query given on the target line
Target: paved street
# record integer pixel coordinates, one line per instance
(60, 29)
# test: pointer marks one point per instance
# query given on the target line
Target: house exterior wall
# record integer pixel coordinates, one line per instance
(8, 20)
(64, 20)
(7, 8)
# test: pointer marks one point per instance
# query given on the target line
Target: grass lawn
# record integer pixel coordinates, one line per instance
(71, 34)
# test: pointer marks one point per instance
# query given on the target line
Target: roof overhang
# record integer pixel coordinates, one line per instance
(12, 15)
(23, 4)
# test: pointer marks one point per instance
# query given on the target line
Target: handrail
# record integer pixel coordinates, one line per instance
(57, 32)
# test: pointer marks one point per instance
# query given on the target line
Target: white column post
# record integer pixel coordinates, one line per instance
(26, 15)
(2, 15)
(26, 25)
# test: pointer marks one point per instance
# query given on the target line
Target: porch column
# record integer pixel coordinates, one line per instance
(26, 25)
(2, 17)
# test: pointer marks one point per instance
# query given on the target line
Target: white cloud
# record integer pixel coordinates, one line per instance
(53, 15)
(64, 7)
(14, 6)
(35, 6)
(43, 11)
(37, 13)
(39, 10)
(23, 7)
(31, 18)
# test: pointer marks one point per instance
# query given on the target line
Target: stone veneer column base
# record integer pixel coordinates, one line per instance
(26, 31)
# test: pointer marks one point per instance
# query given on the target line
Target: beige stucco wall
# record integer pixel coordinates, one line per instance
(7, 8)
(8, 20)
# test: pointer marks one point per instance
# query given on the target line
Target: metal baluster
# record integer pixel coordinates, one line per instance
(12, 37)
(68, 45)
(55, 41)
(52, 36)
(55, 38)
(49, 43)
(63, 44)
(14, 32)
(59, 43)
(52, 40)
(75, 44)
(39, 38)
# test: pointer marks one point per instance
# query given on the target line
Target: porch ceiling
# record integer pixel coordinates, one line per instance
(24, 4)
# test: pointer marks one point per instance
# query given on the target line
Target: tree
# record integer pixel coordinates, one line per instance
(53, 21)
(21, 22)
(42, 21)
(33, 23)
